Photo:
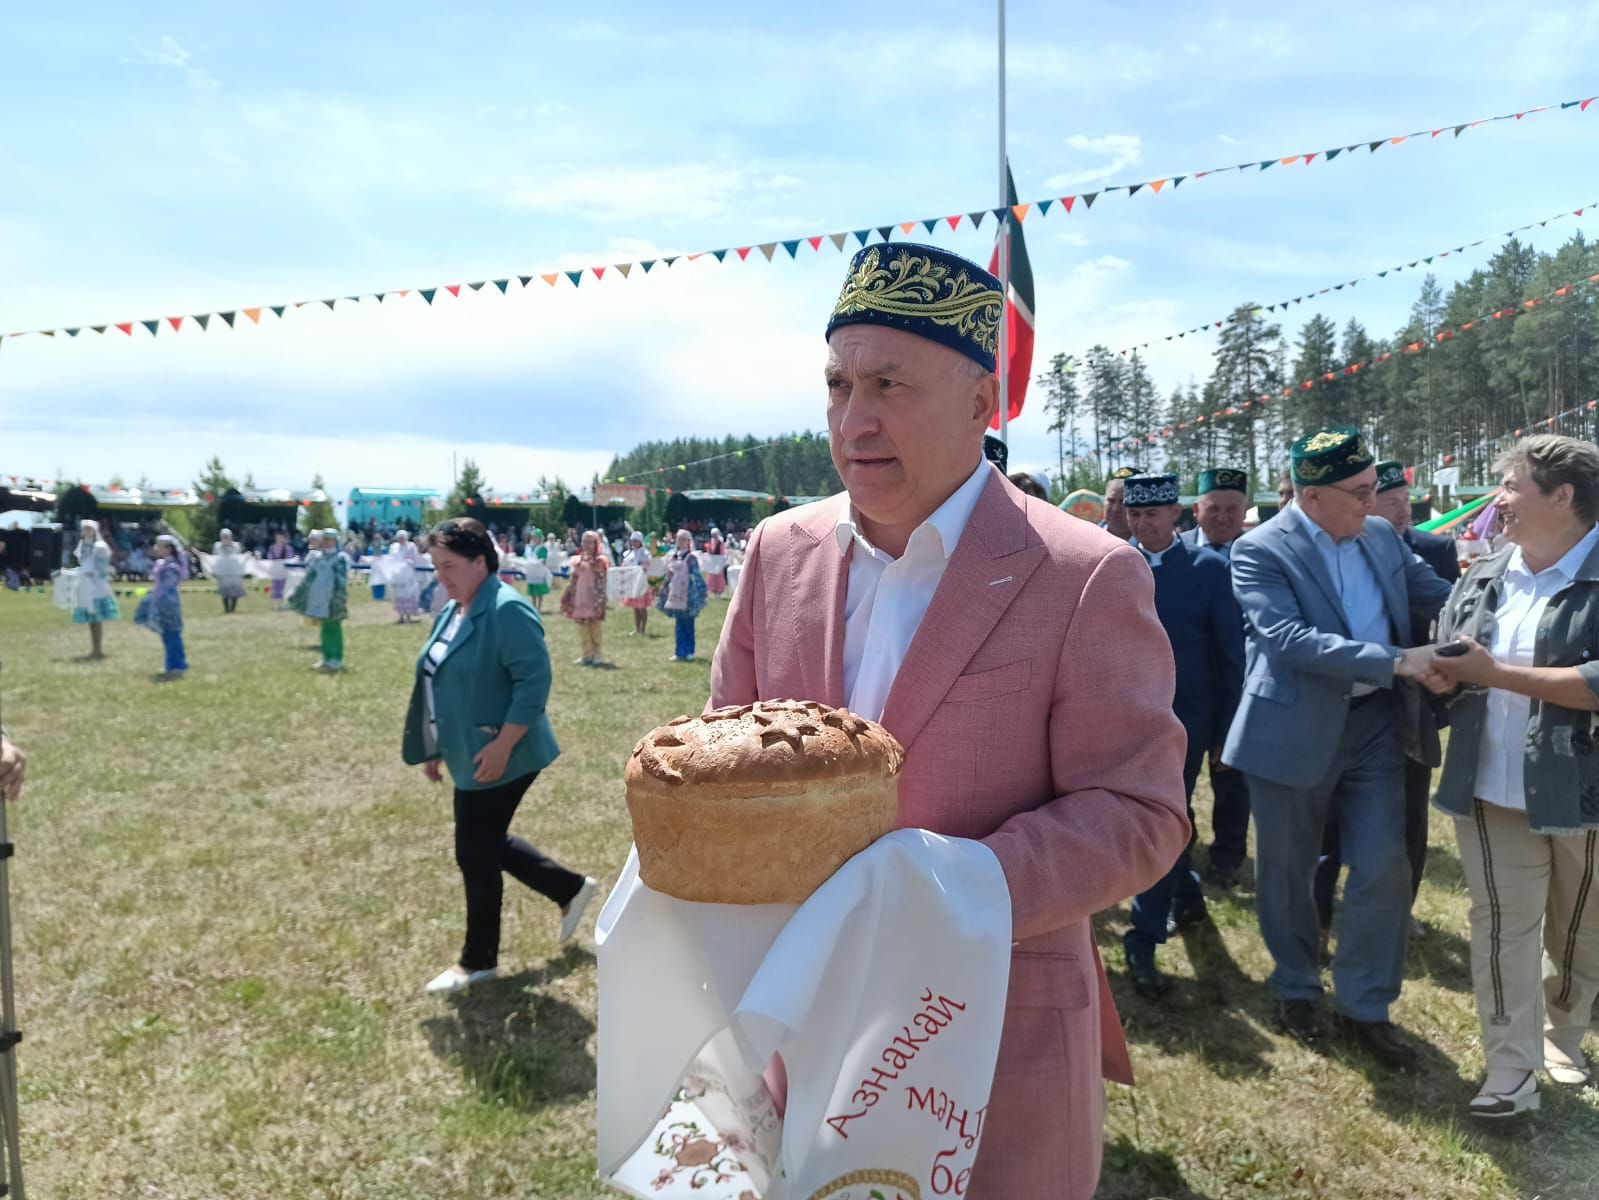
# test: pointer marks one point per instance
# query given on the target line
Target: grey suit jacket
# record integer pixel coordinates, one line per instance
(1300, 661)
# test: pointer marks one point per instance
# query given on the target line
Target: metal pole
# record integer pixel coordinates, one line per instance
(1004, 248)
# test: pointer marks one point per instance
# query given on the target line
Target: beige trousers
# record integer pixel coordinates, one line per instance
(590, 633)
(1534, 937)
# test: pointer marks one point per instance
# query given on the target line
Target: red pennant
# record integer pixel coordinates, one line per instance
(954, 222)
(816, 242)
(1583, 107)
(599, 272)
(1066, 202)
(453, 288)
(174, 322)
(127, 328)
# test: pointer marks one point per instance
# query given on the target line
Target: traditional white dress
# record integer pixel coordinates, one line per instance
(405, 589)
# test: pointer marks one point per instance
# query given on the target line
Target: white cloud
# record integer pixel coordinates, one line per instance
(1228, 140)
(1120, 150)
(684, 191)
(169, 53)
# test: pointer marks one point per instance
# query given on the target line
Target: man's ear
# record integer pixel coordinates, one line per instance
(985, 399)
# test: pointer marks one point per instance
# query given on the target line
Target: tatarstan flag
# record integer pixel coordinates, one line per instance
(1018, 312)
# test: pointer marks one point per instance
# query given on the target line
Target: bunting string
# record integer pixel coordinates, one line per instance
(652, 472)
(1554, 295)
(245, 317)
(1283, 305)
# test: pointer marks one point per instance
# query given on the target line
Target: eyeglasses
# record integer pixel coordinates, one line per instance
(1365, 493)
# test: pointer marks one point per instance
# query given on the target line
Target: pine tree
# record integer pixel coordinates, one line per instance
(214, 483)
(468, 487)
(319, 514)
(1245, 370)
(1061, 403)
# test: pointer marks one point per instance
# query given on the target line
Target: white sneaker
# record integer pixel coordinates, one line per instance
(453, 979)
(574, 910)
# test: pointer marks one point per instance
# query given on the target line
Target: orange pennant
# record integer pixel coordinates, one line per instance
(1289, 161)
(253, 313)
(550, 279)
(907, 226)
(1020, 210)
(1396, 140)
(1156, 184)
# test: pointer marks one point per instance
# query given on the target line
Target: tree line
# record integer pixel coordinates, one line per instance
(1453, 401)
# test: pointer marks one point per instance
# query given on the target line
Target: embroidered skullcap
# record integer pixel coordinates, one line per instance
(1223, 479)
(1329, 455)
(925, 291)
(1151, 491)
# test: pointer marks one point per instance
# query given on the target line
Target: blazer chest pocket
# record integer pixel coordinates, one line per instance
(1269, 687)
(991, 684)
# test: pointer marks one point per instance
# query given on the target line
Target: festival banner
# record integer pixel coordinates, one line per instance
(201, 323)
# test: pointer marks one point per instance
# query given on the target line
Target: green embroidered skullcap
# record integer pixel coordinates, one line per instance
(1329, 455)
(1391, 474)
(1223, 479)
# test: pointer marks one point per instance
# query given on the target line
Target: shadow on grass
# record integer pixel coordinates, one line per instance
(1208, 1015)
(1442, 956)
(518, 1047)
(1133, 1174)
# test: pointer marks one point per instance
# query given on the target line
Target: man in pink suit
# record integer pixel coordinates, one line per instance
(986, 630)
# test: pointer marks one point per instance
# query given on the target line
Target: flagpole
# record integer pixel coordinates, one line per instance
(1004, 249)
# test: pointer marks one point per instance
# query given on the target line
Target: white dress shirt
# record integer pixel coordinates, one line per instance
(887, 597)
(1502, 758)
(1154, 556)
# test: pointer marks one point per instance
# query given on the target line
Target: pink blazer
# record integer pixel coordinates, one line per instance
(1035, 708)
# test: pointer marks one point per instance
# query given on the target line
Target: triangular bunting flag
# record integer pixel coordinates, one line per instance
(1088, 199)
(1329, 155)
(767, 248)
(906, 226)
(669, 261)
(599, 272)
(49, 333)
(524, 280)
(862, 234)
(502, 284)
(99, 328)
(886, 232)
(930, 224)
(1309, 158)
(427, 294)
(329, 303)
(1290, 160)
(176, 323)
(837, 239)
(1132, 190)
(476, 287)
(357, 299)
(1043, 207)
(152, 326)
(1583, 107)
(1066, 202)
(551, 279)
(1176, 180)
(454, 289)
(743, 253)
(647, 264)
(953, 222)
(1373, 145)
(253, 313)
(816, 242)
(792, 247)
(576, 277)
(976, 218)
(228, 317)
(204, 322)
(1156, 184)
(1270, 162)
(1021, 211)
(625, 268)
(1459, 129)
(1394, 141)
(722, 255)
(277, 310)
(73, 332)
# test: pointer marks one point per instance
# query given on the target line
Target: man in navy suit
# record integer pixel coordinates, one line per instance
(1330, 591)
(1223, 502)
(1194, 600)
(1393, 505)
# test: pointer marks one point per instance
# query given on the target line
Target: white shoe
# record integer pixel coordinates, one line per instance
(574, 910)
(453, 979)
(1495, 1106)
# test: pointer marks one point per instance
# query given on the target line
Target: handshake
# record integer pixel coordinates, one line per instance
(1441, 669)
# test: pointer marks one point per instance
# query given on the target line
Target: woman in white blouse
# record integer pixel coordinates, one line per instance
(1521, 777)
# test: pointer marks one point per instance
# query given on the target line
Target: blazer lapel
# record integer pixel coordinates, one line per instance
(1395, 592)
(1304, 548)
(485, 597)
(819, 579)
(992, 562)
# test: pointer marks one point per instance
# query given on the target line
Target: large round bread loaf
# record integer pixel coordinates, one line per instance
(759, 804)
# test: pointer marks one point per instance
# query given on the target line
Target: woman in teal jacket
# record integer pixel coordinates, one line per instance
(477, 708)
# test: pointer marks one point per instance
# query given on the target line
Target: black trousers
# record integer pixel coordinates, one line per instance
(1418, 788)
(483, 849)
(1229, 818)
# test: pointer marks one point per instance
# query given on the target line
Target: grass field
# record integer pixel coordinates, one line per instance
(229, 892)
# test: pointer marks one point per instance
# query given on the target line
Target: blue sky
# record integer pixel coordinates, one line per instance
(190, 158)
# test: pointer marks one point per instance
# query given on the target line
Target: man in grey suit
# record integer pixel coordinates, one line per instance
(1328, 592)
